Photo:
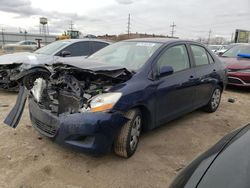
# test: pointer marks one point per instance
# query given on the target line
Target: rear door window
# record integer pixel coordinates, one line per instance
(78, 49)
(98, 45)
(200, 55)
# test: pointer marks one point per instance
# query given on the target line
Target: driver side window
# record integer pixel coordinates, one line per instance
(176, 57)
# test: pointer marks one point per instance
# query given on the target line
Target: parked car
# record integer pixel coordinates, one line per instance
(26, 45)
(237, 61)
(225, 48)
(11, 64)
(107, 100)
(225, 165)
(215, 48)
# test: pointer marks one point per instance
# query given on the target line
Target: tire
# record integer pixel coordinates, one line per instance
(127, 139)
(214, 101)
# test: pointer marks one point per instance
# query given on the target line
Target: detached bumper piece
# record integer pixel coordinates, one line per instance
(86, 132)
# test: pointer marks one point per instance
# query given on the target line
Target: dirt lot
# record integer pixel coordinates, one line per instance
(29, 160)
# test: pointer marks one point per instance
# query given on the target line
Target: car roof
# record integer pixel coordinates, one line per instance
(86, 39)
(159, 40)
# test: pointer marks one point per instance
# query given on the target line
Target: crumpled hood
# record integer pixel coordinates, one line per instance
(236, 63)
(27, 58)
(86, 64)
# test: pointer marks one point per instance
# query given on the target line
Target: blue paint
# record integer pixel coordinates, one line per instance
(244, 55)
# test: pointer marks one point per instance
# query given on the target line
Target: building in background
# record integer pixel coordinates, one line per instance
(241, 36)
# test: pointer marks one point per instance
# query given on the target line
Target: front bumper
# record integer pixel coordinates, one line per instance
(87, 132)
(239, 79)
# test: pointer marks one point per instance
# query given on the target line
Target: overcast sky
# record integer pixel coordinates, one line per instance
(194, 18)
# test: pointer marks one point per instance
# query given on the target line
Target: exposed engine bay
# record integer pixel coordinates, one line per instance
(69, 89)
(6, 71)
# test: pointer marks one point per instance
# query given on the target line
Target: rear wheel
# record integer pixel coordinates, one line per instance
(127, 139)
(214, 101)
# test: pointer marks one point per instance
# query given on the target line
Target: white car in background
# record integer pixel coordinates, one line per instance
(215, 48)
(22, 46)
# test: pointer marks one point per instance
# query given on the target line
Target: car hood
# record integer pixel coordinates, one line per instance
(86, 65)
(236, 63)
(27, 58)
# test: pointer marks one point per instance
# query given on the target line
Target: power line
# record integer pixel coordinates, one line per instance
(172, 31)
(129, 26)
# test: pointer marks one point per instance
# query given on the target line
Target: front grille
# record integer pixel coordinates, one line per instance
(48, 130)
(233, 80)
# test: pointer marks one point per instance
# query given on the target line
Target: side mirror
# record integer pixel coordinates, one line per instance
(65, 53)
(220, 54)
(165, 71)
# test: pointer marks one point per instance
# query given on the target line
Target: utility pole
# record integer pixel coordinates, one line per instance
(71, 25)
(3, 41)
(232, 37)
(209, 36)
(172, 30)
(129, 25)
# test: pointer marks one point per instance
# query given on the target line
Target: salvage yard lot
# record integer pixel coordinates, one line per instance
(30, 160)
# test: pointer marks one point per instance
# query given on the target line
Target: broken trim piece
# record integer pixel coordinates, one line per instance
(15, 114)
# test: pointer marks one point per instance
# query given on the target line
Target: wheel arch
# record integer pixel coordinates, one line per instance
(147, 119)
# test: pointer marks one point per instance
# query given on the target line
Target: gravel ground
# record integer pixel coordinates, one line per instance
(28, 159)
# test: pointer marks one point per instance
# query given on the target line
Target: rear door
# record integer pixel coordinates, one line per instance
(174, 93)
(206, 74)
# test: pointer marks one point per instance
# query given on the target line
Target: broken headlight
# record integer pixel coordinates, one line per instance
(104, 102)
(37, 90)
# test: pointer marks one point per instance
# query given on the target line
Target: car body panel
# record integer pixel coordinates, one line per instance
(213, 168)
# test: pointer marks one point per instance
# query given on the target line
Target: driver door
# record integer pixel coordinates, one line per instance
(175, 92)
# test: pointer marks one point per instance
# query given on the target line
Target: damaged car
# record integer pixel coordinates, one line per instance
(59, 51)
(128, 87)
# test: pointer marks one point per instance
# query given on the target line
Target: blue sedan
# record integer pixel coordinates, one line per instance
(128, 87)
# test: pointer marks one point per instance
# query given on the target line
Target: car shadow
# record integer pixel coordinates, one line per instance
(238, 89)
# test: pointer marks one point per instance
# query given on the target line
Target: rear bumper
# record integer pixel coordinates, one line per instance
(87, 132)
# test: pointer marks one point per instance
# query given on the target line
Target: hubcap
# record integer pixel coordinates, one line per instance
(216, 98)
(135, 132)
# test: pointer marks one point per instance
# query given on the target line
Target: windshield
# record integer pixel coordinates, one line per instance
(52, 48)
(131, 55)
(234, 51)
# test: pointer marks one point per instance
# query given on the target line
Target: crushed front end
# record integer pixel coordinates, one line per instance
(66, 108)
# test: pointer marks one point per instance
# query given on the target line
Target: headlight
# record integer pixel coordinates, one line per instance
(38, 88)
(104, 102)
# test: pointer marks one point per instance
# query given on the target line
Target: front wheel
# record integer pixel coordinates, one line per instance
(214, 101)
(128, 138)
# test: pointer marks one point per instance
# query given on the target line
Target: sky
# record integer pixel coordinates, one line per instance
(193, 18)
